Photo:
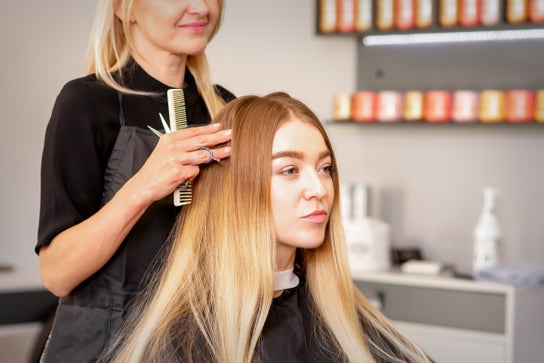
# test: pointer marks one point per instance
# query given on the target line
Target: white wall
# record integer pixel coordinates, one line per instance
(43, 44)
(266, 46)
(424, 182)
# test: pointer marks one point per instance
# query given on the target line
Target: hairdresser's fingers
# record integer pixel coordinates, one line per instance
(206, 155)
(165, 169)
(186, 140)
(191, 132)
(175, 159)
(202, 156)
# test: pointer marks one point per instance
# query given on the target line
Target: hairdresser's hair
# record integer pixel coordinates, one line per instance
(214, 292)
(111, 45)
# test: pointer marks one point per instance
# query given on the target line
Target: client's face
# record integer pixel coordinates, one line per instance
(302, 189)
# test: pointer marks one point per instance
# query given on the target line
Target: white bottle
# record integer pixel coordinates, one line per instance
(487, 235)
(367, 239)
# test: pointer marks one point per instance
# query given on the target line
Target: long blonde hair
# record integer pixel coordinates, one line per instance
(111, 45)
(215, 289)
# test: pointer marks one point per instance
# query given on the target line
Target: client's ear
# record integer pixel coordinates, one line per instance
(118, 13)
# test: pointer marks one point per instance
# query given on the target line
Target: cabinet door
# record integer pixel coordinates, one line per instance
(454, 346)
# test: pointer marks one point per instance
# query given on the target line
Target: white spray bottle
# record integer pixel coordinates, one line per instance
(487, 234)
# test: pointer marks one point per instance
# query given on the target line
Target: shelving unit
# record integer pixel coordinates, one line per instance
(473, 65)
(435, 26)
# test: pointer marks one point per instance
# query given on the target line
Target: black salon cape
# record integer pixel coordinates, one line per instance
(289, 333)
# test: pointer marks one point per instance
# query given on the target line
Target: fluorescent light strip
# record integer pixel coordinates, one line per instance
(452, 37)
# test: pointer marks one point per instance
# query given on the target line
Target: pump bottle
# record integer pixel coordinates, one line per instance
(487, 234)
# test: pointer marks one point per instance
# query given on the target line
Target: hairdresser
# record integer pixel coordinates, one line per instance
(107, 180)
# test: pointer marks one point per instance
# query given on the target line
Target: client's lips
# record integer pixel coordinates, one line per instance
(318, 216)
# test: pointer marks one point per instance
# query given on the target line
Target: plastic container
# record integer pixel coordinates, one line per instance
(363, 106)
(517, 11)
(448, 16)
(384, 14)
(342, 106)
(469, 12)
(536, 11)
(404, 14)
(437, 106)
(367, 239)
(389, 106)
(487, 235)
(519, 106)
(492, 106)
(424, 13)
(363, 15)
(327, 16)
(539, 106)
(465, 106)
(413, 106)
(491, 12)
(345, 16)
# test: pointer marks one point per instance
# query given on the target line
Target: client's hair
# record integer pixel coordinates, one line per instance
(215, 289)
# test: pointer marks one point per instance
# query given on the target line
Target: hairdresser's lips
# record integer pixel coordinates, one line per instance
(318, 216)
(196, 27)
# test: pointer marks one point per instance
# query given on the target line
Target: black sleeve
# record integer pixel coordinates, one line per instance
(72, 162)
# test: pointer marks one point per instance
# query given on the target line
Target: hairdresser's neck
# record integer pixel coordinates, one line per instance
(168, 69)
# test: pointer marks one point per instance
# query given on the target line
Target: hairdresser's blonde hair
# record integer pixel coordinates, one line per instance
(111, 45)
(216, 287)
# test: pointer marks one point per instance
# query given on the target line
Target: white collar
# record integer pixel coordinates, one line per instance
(285, 279)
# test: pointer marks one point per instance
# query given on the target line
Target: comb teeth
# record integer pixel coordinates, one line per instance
(176, 109)
(183, 195)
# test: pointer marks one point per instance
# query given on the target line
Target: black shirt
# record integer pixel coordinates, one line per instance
(80, 137)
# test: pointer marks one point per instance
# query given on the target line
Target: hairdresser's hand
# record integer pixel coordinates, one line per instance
(81, 250)
(176, 158)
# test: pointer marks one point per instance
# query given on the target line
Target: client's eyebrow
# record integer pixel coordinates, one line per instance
(298, 154)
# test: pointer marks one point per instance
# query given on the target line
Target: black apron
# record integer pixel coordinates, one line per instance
(88, 319)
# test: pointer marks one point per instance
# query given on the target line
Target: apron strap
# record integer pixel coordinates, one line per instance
(121, 112)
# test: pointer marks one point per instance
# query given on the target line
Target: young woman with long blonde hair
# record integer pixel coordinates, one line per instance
(107, 180)
(258, 270)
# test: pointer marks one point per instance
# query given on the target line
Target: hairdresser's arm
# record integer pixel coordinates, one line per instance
(79, 251)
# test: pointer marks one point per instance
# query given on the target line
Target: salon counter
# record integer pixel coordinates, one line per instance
(24, 305)
(461, 320)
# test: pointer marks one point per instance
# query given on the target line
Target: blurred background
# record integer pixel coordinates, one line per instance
(425, 181)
